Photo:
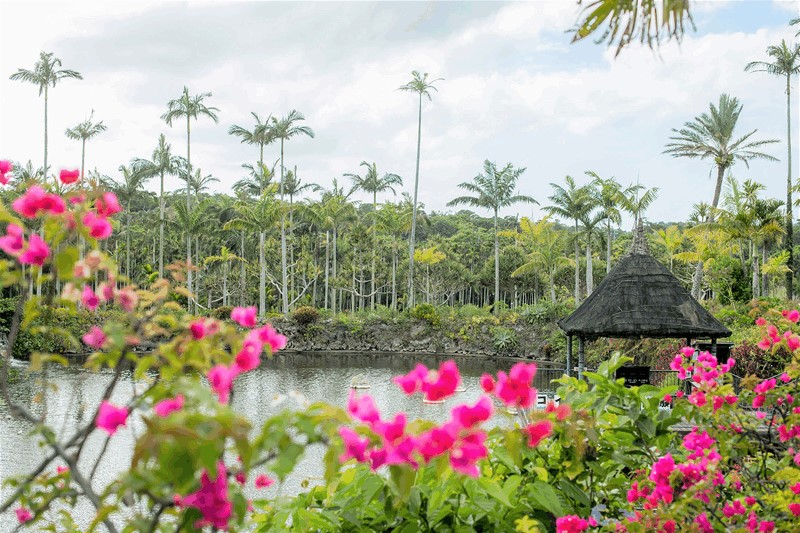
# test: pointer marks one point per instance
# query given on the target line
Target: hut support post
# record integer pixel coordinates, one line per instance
(569, 355)
(714, 347)
(580, 357)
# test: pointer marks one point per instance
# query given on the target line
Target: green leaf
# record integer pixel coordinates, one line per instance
(545, 497)
(491, 488)
(65, 261)
(573, 491)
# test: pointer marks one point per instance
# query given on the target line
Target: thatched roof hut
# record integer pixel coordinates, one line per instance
(640, 298)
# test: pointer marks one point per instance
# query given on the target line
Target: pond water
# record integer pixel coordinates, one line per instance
(316, 377)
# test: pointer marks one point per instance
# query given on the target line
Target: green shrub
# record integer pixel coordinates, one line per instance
(7, 308)
(305, 315)
(544, 311)
(503, 339)
(471, 310)
(426, 313)
(221, 313)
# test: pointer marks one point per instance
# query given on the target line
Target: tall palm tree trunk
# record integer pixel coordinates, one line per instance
(589, 267)
(496, 266)
(789, 243)
(327, 268)
(577, 268)
(242, 280)
(262, 276)
(225, 283)
(333, 273)
(697, 279)
(608, 246)
(284, 276)
(161, 228)
(188, 207)
(374, 252)
(45, 132)
(83, 155)
(394, 275)
(410, 299)
(128, 241)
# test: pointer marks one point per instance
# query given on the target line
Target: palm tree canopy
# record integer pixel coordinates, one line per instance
(293, 185)
(261, 133)
(372, 182)
(711, 135)
(258, 179)
(493, 189)
(190, 107)
(285, 128)
(572, 202)
(45, 72)
(162, 162)
(130, 183)
(86, 129)
(420, 84)
(785, 61)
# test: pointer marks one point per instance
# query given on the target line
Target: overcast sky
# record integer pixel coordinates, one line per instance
(514, 89)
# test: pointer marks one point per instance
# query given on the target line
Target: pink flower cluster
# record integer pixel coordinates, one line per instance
(248, 358)
(773, 337)
(5, 168)
(211, 499)
(434, 385)
(460, 438)
(571, 524)
(36, 201)
(33, 252)
(110, 417)
(106, 293)
(514, 389)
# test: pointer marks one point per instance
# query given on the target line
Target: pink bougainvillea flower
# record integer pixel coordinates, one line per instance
(355, 447)
(106, 291)
(77, 199)
(110, 417)
(435, 442)
(263, 481)
(467, 416)
(515, 388)
(240, 477)
(412, 382)
(363, 408)
(211, 499)
(107, 205)
(69, 176)
(5, 168)
(487, 383)
(562, 411)
(220, 378)
(538, 431)
(169, 405)
(95, 338)
(12, 242)
(36, 253)
(36, 200)
(443, 383)
(99, 227)
(198, 328)
(128, 299)
(61, 469)
(793, 342)
(89, 299)
(760, 321)
(23, 515)
(764, 344)
(244, 316)
(571, 524)
(249, 357)
(793, 316)
(269, 337)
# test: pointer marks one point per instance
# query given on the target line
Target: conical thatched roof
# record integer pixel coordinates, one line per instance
(641, 298)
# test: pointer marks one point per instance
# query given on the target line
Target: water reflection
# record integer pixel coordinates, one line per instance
(317, 377)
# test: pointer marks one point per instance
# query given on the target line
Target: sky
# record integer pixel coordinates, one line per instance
(514, 90)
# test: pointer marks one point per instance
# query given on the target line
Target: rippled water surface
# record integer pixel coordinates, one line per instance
(317, 377)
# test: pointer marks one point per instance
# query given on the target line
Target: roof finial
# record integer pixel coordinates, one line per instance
(639, 245)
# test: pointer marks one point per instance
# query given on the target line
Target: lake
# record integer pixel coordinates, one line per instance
(279, 383)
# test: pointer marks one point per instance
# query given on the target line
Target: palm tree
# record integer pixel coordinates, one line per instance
(572, 203)
(258, 179)
(197, 183)
(672, 240)
(548, 245)
(257, 217)
(786, 63)
(191, 107)
(494, 190)
(162, 163)
(45, 74)
(710, 136)
(284, 129)
(83, 132)
(636, 199)
(261, 134)
(422, 86)
(127, 188)
(372, 182)
(293, 186)
(226, 257)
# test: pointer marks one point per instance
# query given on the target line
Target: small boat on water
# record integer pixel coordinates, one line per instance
(359, 382)
(461, 388)
(425, 400)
